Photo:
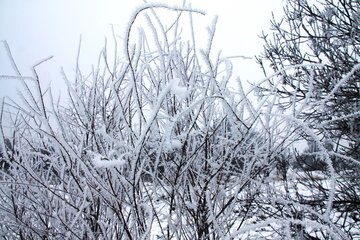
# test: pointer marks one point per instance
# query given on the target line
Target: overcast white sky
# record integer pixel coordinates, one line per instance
(37, 29)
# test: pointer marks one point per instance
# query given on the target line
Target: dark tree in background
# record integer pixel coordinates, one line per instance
(328, 34)
(314, 51)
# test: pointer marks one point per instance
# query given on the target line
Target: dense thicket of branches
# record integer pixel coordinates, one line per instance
(155, 144)
(315, 50)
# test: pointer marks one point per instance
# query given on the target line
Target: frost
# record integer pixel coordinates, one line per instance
(179, 91)
(104, 162)
(341, 83)
(172, 145)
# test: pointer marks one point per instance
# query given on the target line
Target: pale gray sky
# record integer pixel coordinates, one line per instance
(37, 29)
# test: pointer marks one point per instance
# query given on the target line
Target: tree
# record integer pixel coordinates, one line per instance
(323, 41)
(314, 51)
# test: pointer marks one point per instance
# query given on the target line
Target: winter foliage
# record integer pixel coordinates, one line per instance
(155, 143)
